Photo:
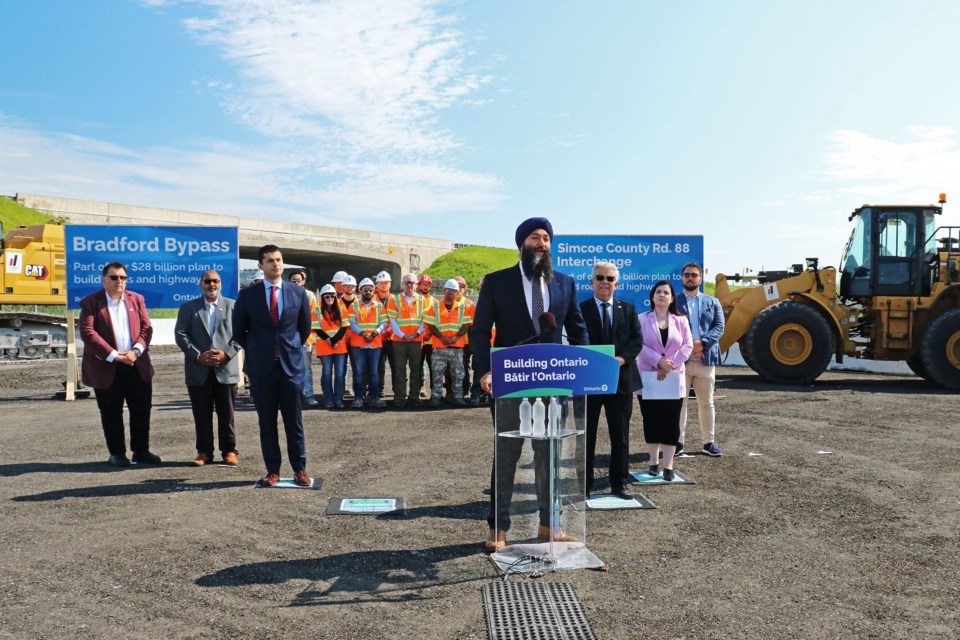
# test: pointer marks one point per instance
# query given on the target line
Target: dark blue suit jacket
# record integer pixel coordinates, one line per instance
(254, 331)
(503, 304)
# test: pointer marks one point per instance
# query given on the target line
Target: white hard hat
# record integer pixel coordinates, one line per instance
(339, 276)
(365, 282)
(383, 276)
(328, 288)
(452, 284)
(349, 281)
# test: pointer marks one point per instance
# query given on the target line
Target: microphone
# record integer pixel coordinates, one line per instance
(548, 327)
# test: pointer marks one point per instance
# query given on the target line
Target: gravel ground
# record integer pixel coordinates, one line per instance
(858, 543)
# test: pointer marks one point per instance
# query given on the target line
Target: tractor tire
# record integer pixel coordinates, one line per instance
(940, 350)
(747, 354)
(915, 362)
(790, 343)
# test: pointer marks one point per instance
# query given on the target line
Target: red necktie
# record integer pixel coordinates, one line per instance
(274, 307)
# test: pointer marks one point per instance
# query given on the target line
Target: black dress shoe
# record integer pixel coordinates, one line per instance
(145, 457)
(623, 493)
(119, 461)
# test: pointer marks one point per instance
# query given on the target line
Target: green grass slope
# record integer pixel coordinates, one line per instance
(470, 262)
(13, 214)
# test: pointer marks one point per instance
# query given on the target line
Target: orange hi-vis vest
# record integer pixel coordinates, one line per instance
(368, 319)
(388, 331)
(472, 310)
(329, 327)
(448, 323)
(408, 316)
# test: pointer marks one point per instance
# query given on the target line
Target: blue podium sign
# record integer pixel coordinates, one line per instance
(553, 370)
(164, 264)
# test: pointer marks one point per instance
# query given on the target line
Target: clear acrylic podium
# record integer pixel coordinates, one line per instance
(539, 485)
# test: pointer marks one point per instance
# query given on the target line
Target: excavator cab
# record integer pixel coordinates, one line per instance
(886, 254)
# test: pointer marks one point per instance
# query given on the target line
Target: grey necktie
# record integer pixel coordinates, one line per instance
(606, 323)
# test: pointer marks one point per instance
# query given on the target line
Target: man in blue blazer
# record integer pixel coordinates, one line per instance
(705, 314)
(515, 300)
(271, 321)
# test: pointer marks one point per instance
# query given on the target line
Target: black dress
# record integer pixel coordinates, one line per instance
(661, 418)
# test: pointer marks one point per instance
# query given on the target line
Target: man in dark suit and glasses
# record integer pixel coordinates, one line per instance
(271, 321)
(515, 299)
(612, 321)
(204, 332)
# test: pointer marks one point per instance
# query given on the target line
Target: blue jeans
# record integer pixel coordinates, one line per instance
(335, 367)
(307, 372)
(365, 375)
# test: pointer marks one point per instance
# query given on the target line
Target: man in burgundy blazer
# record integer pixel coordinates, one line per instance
(116, 333)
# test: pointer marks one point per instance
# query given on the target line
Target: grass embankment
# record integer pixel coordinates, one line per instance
(13, 215)
(470, 262)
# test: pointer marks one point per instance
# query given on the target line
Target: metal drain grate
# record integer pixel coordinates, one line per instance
(534, 611)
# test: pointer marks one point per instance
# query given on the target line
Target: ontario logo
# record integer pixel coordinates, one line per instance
(603, 387)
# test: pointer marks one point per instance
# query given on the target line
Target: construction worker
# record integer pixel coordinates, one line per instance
(382, 291)
(405, 311)
(330, 327)
(337, 281)
(349, 286)
(448, 322)
(425, 285)
(467, 350)
(368, 321)
(299, 277)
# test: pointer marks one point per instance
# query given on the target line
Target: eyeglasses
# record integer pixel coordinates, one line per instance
(211, 281)
(691, 275)
(296, 280)
(366, 290)
(329, 295)
(116, 277)
(409, 282)
(601, 278)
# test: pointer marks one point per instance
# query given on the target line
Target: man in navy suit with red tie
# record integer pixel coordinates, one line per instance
(271, 321)
(515, 300)
(116, 332)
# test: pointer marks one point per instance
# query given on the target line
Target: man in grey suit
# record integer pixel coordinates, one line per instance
(204, 332)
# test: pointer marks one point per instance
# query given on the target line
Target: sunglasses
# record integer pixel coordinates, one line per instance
(329, 295)
(409, 282)
(366, 290)
(601, 278)
(296, 280)
(691, 275)
(211, 281)
(115, 277)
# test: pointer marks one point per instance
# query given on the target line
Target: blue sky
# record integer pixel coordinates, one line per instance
(759, 125)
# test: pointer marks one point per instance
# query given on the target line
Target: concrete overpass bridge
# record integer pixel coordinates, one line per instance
(321, 250)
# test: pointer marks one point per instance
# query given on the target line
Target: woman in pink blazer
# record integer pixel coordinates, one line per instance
(667, 343)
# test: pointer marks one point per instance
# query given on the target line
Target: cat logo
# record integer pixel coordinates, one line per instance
(37, 271)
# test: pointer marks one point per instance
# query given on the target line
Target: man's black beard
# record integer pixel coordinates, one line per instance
(542, 268)
(688, 287)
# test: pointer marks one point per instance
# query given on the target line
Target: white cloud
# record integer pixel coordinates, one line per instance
(347, 95)
(913, 170)
(372, 75)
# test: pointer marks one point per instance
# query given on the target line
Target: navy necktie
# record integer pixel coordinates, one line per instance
(537, 304)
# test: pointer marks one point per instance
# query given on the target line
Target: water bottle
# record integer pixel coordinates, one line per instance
(526, 426)
(554, 417)
(539, 418)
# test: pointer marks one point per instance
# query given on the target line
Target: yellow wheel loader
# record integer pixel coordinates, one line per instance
(898, 298)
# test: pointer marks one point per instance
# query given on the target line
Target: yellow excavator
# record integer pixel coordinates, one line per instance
(33, 273)
(897, 298)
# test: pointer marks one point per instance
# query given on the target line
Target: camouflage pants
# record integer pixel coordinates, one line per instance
(441, 359)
